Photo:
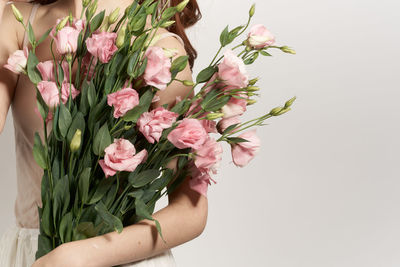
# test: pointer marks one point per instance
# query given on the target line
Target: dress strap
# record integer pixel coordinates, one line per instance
(169, 34)
(31, 19)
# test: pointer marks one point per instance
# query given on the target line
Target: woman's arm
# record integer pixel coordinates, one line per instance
(8, 45)
(182, 220)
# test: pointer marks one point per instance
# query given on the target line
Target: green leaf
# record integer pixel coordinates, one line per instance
(206, 74)
(265, 53)
(95, 23)
(91, 94)
(87, 229)
(101, 190)
(61, 198)
(143, 178)
(31, 34)
(83, 184)
(141, 69)
(39, 152)
(230, 128)
(179, 65)
(46, 219)
(233, 34)
(101, 140)
(33, 73)
(139, 42)
(138, 22)
(168, 13)
(65, 120)
(65, 228)
(45, 245)
(235, 140)
(55, 124)
(181, 107)
(132, 63)
(223, 38)
(44, 36)
(217, 103)
(108, 218)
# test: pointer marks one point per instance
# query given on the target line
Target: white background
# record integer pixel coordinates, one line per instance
(324, 188)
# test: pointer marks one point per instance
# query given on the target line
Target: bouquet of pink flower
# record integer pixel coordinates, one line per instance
(105, 157)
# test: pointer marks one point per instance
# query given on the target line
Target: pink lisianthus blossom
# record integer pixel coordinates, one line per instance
(226, 122)
(158, 68)
(49, 92)
(66, 39)
(243, 152)
(121, 156)
(235, 106)
(102, 45)
(232, 71)
(189, 133)
(123, 101)
(199, 179)
(151, 124)
(259, 37)
(46, 69)
(208, 156)
(65, 88)
(17, 61)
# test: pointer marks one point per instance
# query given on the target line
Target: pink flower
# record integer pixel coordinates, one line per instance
(209, 125)
(189, 133)
(232, 71)
(65, 87)
(259, 37)
(226, 122)
(46, 70)
(243, 152)
(121, 156)
(151, 124)
(158, 69)
(123, 101)
(17, 61)
(208, 155)
(235, 106)
(199, 180)
(102, 45)
(67, 40)
(49, 92)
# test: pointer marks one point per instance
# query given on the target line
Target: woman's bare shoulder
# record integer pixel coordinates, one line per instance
(10, 23)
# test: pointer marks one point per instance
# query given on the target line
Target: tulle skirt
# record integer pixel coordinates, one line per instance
(18, 247)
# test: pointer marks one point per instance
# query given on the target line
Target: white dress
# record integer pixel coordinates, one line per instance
(18, 244)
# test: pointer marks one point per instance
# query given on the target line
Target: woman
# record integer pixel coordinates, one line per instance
(182, 220)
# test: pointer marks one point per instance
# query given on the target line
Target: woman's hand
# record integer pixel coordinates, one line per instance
(65, 255)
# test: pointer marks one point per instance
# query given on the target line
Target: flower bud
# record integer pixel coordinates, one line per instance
(62, 24)
(250, 94)
(290, 102)
(121, 37)
(251, 101)
(76, 141)
(252, 10)
(105, 25)
(170, 52)
(182, 5)
(17, 14)
(253, 81)
(288, 50)
(85, 3)
(275, 111)
(127, 127)
(68, 57)
(283, 111)
(71, 18)
(167, 24)
(188, 83)
(215, 115)
(248, 49)
(253, 88)
(113, 16)
(92, 8)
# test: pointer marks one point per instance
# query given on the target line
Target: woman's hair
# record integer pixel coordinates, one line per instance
(188, 17)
